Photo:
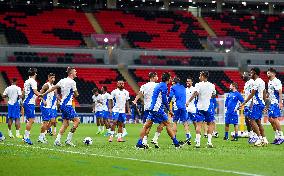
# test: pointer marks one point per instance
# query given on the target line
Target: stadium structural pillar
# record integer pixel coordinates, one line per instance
(55, 3)
(166, 4)
(219, 6)
(111, 4)
(270, 9)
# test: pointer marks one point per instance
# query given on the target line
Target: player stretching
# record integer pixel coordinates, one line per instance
(156, 111)
(14, 94)
(98, 109)
(231, 116)
(247, 109)
(68, 90)
(204, 91)
(118, 102)
(30, 92)
(105, 98)
(45, 107)
(178, 95)
(258, 93)
(275, 97)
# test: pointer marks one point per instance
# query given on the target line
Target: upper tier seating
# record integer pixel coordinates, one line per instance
(154, 29)
(254, 31)
(55, 27)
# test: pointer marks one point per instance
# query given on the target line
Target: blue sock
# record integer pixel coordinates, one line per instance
(175, 141)
(226, 134)
(139, 142)
(1, 134)
(188, 136)
(236, 135)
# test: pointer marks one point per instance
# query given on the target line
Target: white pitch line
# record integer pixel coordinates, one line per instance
(135, 159)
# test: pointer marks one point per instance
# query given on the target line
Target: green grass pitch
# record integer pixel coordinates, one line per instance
(104, 158)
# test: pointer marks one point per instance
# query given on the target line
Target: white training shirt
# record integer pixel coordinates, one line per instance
(247, 90)
(68, 87)
(49, 97)
(205, 91)
(13, 92)
(119, 99)
(147, 91)
(29, 86)
(189, 92)
(258, 86)
(98, 100)
(105, 97)
(273, 90)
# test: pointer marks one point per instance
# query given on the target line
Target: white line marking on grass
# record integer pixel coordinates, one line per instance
(135, 159)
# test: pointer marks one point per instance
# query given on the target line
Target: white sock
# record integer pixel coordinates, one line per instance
(124, 130)
(42, 135)
(10, 132)
(17, 132)
(276, 134)
(27, 134)
(144, 141)
(69, 137)
(102, 128)
(99, 128)
(197, 138)
(280, 133)
(156, 137)
(58, 137)
(119, 135)
(108, 130)
(209, 138)
(251, 134)
(260, 137)
(111, 133)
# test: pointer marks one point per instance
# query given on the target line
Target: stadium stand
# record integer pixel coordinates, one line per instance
(54, 57)
(154, 29)
(254, 31)
(178, 60)
(88, 78)
(43, 27)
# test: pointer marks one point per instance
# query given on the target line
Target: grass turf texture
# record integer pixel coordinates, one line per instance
(226, 158)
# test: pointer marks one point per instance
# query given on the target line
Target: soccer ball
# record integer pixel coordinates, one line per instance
(88, 141)
(242, 134)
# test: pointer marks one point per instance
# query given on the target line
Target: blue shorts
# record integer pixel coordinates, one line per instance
(53, 113)
(99, 114)
(14, 111)
(157, 116)
(256, 112)
(191, 116)
(180, 115)
(105, 114)
(204, 116)
(45, 114)
(29, 110)
(120, 117)
(68, 112)
(231, 118)
(247, 111)
(145, 115)
(274, 111)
